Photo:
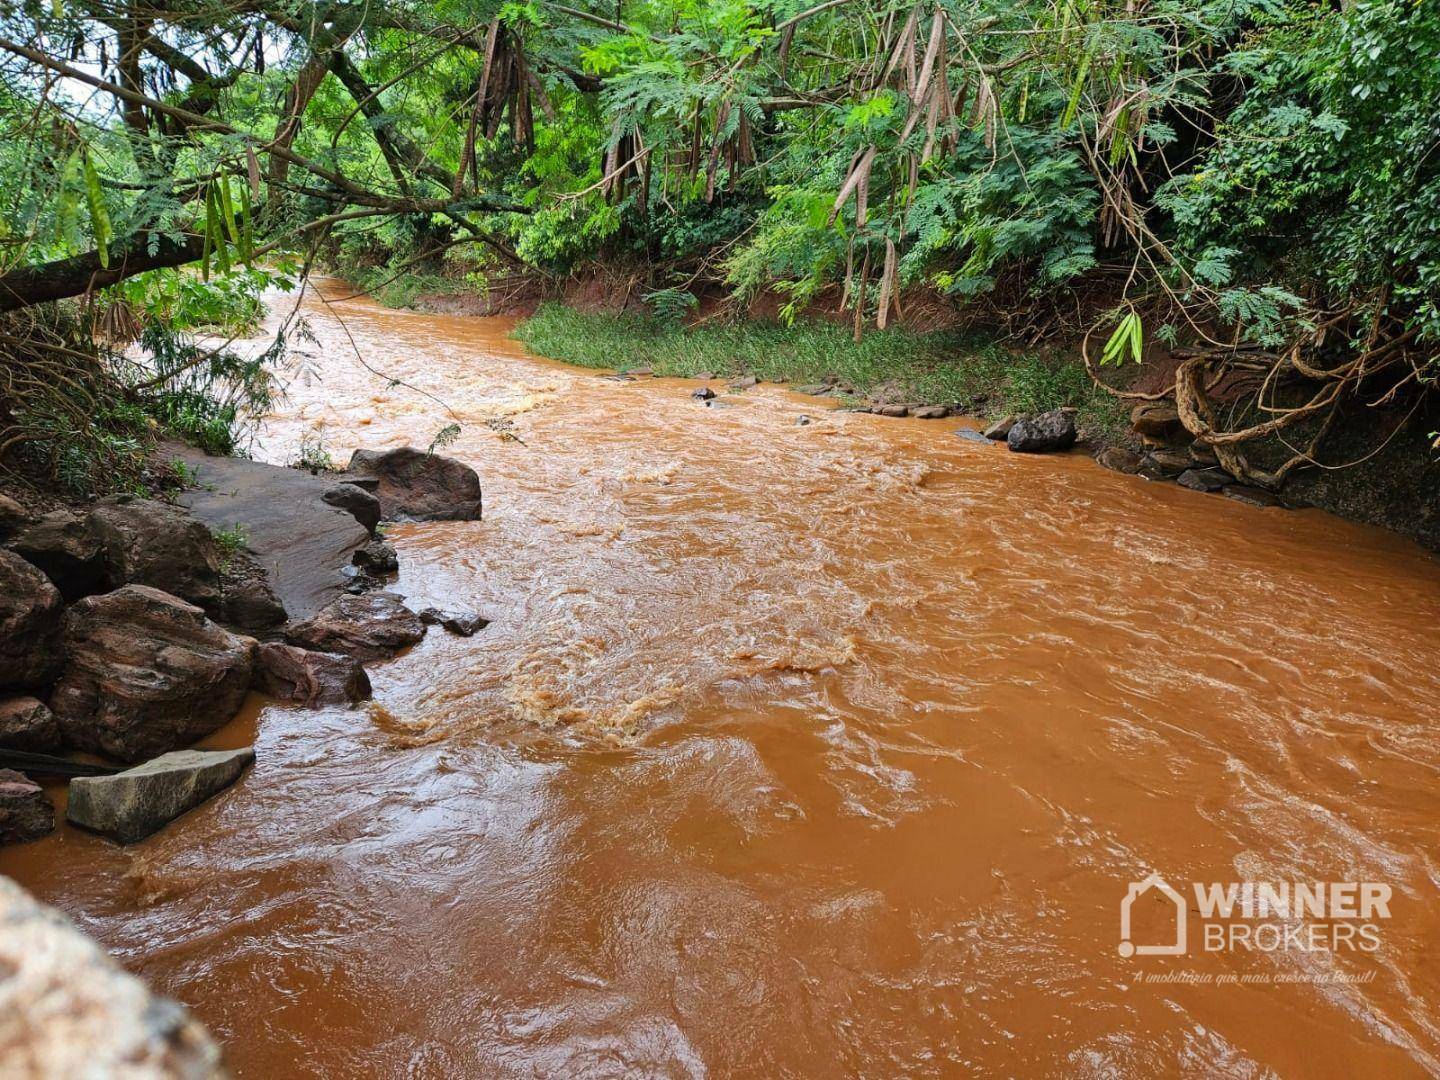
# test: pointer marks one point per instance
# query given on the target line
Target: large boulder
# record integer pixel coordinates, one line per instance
(415, 486)
(312, 678)
(1054, 430)
(146, 672)
(151, 543)
(30, 609)
(62, 545)
(26, 724)
(68, 1010)
(369, 627)
(129, 806)
(248, 603)
(25, 812)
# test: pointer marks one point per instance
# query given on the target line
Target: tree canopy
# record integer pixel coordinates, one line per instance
(1257, 181)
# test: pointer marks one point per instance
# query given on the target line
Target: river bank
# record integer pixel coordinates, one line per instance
(817, 748)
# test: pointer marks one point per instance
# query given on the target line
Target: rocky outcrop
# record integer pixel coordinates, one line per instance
(68, 1010)
(25, 812)
(291, 673)
(27, 724)
(129, 806)
(146, 672)
(369, 627)
(30, 608)
(355, 501)
(151, 543)
(62, 545)
(415, 486)
(1050, 431)
(298, 541)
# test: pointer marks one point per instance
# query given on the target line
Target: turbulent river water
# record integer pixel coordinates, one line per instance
(799, 750)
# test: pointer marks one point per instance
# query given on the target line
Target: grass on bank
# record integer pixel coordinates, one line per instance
(944, 367)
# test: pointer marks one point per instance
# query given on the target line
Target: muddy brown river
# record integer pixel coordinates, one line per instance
(804, 751)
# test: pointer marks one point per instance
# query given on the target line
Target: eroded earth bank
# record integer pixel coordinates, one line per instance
(820, 748)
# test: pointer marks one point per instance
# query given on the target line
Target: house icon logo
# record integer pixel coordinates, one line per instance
(1138, 889)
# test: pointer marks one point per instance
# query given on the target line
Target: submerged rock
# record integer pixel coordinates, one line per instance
(26, 723)
(1251, 496)
(462, 624)
(1054, 430)
(291, 673)
(25, 815)
(30, 613)
(132, 805)
(68, 1010)
(146, 672)
(151, 543)
(803, 421)
(370, 627)
(360, 504)
(61, 544)
(416, 486)
(816, 389)
(969, 434)
(704, 393)
(1118, 459)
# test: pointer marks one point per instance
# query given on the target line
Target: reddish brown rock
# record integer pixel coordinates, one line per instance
(312, 678)
(1000, 429)
(1156, 420)
(1118, 459)
(25, 812)
(27, 724)
(61, 544)
(146, 673)
(369, 627)
(152, 543)
(30, 609)
(415, 486)
(12, 515)
(930, 412)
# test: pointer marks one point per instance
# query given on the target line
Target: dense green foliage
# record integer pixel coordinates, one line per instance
(1221, 174)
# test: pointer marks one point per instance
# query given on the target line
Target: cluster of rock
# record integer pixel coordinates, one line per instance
(121, 635)
(1168, 452)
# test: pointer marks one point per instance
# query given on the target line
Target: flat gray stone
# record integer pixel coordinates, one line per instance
(971, 435)
(131, 805)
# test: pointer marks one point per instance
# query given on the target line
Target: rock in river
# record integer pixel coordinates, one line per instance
(68, 1010)
(25, 815)
(312, 678)
(459, 623)
(131, 805)
(151, 543)
(416, 486)
(1054, 430)
(146, 672)
(27, 724)
(1000, 429)
(369, 627)
(1118, 459)
(30, 609)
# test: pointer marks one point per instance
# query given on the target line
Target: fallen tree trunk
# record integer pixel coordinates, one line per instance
(79, 274)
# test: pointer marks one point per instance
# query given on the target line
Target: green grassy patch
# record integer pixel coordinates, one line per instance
(942, 367)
